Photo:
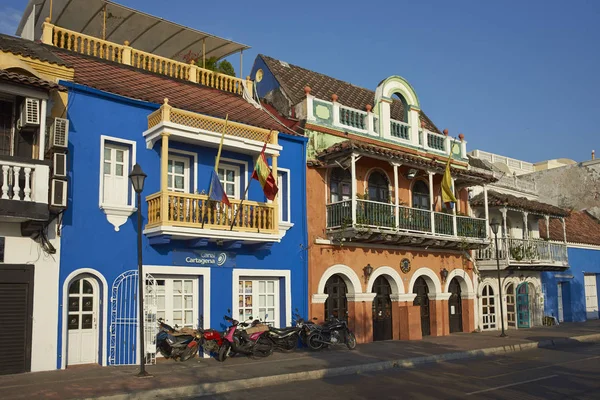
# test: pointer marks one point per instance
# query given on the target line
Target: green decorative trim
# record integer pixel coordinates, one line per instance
(397, 78)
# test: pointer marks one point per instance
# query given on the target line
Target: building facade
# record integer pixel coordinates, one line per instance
(201, 258)
(384, 252)
(524, 251)
(32, 199)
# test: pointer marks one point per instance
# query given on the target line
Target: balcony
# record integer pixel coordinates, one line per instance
(186, 216)
(24, 189)
(524, 254)
(387, 223)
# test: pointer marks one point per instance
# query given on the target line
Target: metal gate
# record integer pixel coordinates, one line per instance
(382, 310)
(455, 306)
(124, 327)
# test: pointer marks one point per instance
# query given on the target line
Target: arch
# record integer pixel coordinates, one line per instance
(18, 66)
(374, 175)
(65, 298)
(348, 275)
(397, 84)
(392, 276)
(433, 282)
(466, 284)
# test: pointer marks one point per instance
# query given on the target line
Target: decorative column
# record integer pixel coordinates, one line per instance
(503, 210)
(431, 201)
(335, 109)
(309, 104)
(47, 28)
(525, 226)
(353, 177)
(276, 199)
(42, 141)
(164, 166)
(407, 318)
(396, 195)
(487, 211)
(126, 53)
(454, 224)
(564, 225)
(547, 218)
(360, 312)
(370, 125)
(414, 115)
(438, 314)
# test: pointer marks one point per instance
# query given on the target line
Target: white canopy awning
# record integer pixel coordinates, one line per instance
(143, 31)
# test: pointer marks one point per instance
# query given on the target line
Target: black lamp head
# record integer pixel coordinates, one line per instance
(494, 224)
(137, 178)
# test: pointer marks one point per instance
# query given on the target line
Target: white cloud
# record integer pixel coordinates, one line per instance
(9, 20)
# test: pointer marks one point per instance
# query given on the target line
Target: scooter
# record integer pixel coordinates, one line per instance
(177, 344)
(244, 338)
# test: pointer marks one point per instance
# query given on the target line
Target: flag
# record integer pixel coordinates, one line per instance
(447, 188)
(216, 189)
(263, 174)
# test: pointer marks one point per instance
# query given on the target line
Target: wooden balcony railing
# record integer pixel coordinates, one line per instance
(374, 214)
(197, 211)
(125, 54)
(166, 113)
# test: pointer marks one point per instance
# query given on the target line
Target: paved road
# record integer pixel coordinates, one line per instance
(571, 372)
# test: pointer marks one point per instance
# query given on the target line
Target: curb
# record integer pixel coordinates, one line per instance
(207, 389)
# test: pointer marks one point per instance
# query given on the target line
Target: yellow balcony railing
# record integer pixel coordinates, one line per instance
(167, 113)
(125, 54)
(197, 211)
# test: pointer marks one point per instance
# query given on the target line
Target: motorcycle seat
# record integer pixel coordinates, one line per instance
(282, 330)
(180, 338)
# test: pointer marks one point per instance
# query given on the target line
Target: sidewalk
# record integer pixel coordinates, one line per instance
(203, 376)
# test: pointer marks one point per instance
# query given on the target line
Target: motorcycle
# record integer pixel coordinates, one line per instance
(333, 332)
(245, 338)
(177, 344)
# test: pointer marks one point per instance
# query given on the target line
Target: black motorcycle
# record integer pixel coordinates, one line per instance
(178, 345)
(333, 332)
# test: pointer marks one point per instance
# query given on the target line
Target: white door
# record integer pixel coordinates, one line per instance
(591, 296)
(561, 316)
(488, 308)
(82, 322)
(115, 175)
(259, 299)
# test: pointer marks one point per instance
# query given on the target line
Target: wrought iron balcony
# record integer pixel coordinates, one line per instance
(376, 221)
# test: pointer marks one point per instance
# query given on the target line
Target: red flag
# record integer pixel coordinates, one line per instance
(263, 174)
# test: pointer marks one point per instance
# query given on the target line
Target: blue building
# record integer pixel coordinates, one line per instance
(572, 295)
(200, 257)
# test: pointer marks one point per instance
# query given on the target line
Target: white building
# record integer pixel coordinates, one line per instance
(522, 254)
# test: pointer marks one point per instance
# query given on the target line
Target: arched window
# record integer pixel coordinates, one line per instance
(340, 185)
(420, 195)
(379, 187)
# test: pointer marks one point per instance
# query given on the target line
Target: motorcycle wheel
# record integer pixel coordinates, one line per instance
(351, 341)
(289, 344)
(223, 351)
(188, 353)
(315, 341)
(262, 348)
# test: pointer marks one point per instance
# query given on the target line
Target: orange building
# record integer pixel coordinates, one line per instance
(384, 251)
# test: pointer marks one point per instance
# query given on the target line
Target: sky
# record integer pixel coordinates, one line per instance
(517, 78)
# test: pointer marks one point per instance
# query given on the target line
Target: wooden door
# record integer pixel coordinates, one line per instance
(455, 306)
(422, 300)
(523, 306)
(336, 304)
(382, 310)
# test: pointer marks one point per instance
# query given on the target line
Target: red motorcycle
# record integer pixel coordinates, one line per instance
(184, 344)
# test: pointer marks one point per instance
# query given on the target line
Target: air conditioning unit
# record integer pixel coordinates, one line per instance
(59, 193)
(59, 133)
(30, 113)
(60, 165)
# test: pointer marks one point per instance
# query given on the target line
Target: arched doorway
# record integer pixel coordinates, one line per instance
(510, 305)
(488, 308)
(455, 306)
(421, 290)
(523, 314)
(379, 187)
(82, 321)
(382, 309)
(336, 304)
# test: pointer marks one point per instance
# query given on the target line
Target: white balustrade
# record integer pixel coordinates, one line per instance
(17, 181)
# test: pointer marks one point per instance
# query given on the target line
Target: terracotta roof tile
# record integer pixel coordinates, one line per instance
(349, 146)
(29, 81)
(28, 48)
(293, 79)
(496, 199)
(147, 86)
(581, 227)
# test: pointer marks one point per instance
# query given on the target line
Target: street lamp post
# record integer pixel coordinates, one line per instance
(494, 224)
(137, 178)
